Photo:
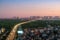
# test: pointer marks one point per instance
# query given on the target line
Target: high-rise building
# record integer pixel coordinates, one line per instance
(45, 17)
(56, 17)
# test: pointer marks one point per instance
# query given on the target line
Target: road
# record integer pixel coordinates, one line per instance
(3, 36)
(13, 32)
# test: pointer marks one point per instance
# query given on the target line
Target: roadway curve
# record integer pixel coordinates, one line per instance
(13, 32)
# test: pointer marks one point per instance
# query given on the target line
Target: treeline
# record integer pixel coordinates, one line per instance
(41, 23)
(8, 24)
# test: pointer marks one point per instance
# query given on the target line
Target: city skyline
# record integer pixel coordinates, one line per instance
(26, 8)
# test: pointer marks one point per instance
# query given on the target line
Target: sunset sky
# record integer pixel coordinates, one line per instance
(25, 8)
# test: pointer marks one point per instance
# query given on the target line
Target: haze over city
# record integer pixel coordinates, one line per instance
(29, 19)
(26, 8)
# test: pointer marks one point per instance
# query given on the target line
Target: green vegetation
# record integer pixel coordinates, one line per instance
(8, 24)
(41, 23)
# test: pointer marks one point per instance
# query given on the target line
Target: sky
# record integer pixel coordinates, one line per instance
(26, 8)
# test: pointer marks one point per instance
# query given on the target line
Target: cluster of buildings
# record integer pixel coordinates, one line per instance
(41, 18)
(51, 17)
(38, 17)
(43, 33)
